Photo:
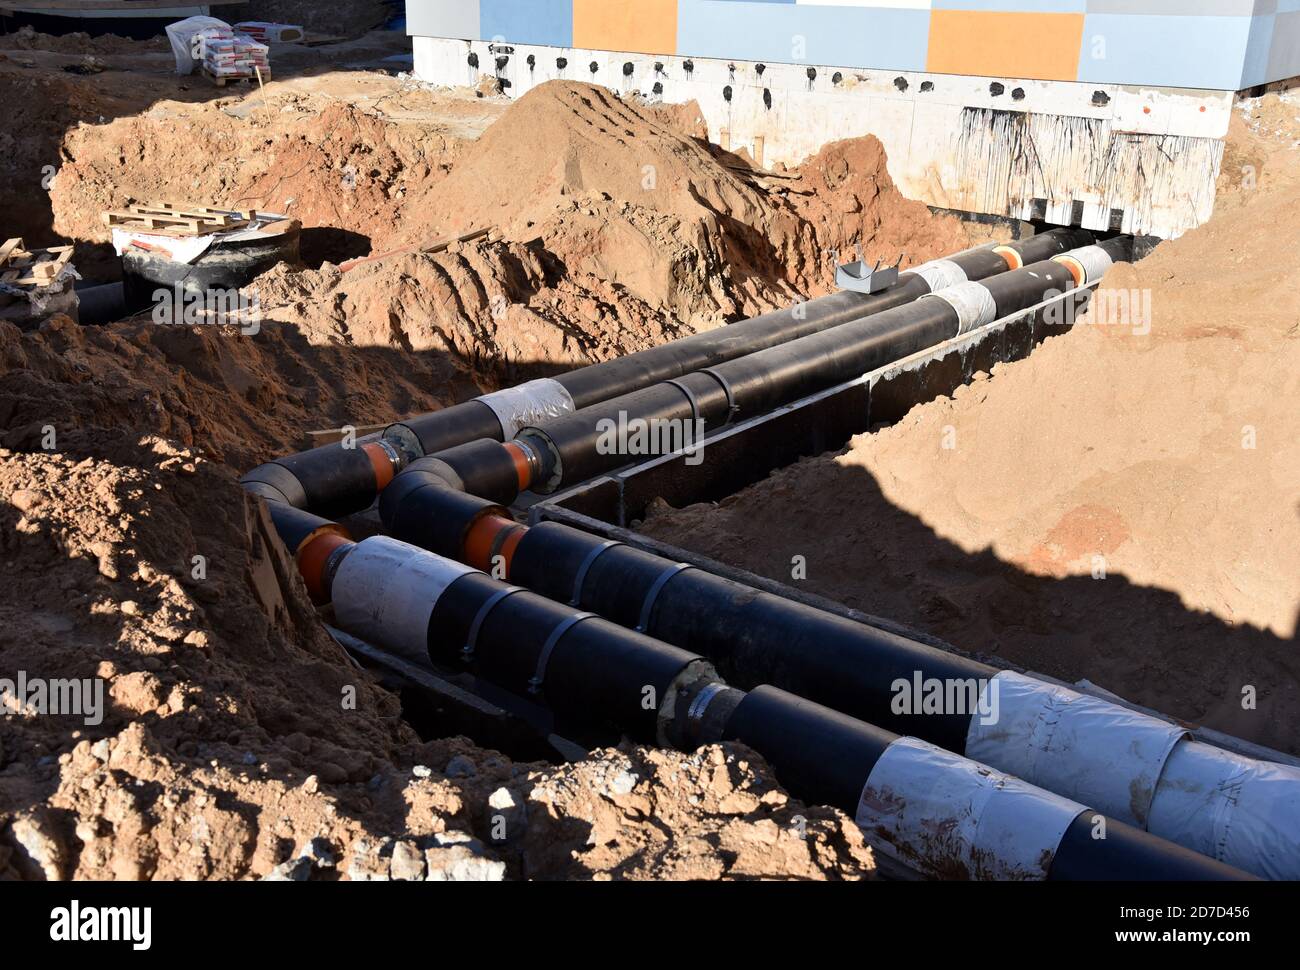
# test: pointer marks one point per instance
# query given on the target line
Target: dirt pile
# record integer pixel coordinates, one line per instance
(27, 38)
(230, 737)
(1122, 506)
(619, 191)
(341, 169)
(612, 230)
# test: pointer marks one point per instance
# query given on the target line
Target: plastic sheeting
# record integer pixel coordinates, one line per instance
(535, 403)
(973, 302)
(385, 592)
(182, 34)
(953, 818)
(1081, 747)
(1232, 808)
(940, 273)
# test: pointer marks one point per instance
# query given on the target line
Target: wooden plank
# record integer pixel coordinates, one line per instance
(9, 247)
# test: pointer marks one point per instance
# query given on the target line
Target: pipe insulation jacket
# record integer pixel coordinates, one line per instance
(973, 303)
(572, 449)
(385, 591)
(536, 402)
(332, 482)
(1092, 262)
(1146, 771)
(941, 273)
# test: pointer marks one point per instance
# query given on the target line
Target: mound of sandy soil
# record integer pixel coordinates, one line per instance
(235, 740)
(1123, 506)
(326, 162)
(619, 191)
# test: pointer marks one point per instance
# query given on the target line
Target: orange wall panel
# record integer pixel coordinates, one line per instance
(1041, 46)
(645, 27)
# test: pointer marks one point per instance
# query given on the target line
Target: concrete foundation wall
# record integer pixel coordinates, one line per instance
(1137, 159)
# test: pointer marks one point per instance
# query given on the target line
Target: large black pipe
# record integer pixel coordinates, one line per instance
(753, 637)
(338, 480)
(572, 447)
(589, 385)
(593, 672)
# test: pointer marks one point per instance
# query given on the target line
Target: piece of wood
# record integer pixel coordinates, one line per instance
(169, 219)
(8, 248)
(332, 436)
(437, 247)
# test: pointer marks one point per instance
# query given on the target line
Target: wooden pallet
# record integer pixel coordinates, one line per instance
(170, 219)
(35, 268)
(221, 80)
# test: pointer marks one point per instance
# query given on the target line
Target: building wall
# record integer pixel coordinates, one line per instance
(1218, 44)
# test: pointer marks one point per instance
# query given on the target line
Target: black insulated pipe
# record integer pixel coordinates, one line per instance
(333, 480)
(584, 668)
(753, 384)
(753, 637)
(589, 671)
(422, 509)
(439, 430)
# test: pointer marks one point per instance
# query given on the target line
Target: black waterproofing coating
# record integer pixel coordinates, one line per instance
(752, 637)
(596, 673)
(1128, 854)
(295, 525)
(823, 755)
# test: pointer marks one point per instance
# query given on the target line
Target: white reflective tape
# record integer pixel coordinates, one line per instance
(1238, 810)
(973, 302)
(953, 818)
(1093, 260)
(940, 273)
(1082, 747)
(385, 592)
(536, 402)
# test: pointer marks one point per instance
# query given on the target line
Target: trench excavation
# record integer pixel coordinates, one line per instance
(582, 637)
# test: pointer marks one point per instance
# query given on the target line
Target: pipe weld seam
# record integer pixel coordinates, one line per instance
(700, 703)
(580, 580)
(652, 596)
(471, 639)
(544, 658)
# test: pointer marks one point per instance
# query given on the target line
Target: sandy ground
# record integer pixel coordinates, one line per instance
(1122, 506)
(237, 739)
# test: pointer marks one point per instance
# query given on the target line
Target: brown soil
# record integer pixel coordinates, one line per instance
(226, 750)
(1168, 461)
